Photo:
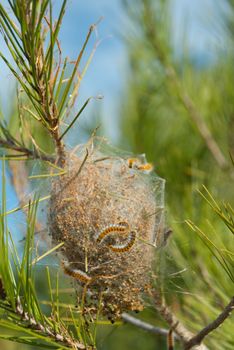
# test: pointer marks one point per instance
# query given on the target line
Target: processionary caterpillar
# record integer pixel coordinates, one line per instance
(125, 247)
(132, 162)
(147, 167)
(121, 227)
(77, 274)
(135, 163)
(82, 276)
(170, 340)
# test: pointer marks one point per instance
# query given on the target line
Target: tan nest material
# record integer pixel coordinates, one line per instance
(108, 216)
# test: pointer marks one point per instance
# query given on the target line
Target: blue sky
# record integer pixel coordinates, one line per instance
(107, 73)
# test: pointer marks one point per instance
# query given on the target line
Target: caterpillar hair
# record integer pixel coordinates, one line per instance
(135, 163)
(122, 248)
(132, 162)
(75, 273)
(121, 227)
(147, 167)
(170, 340)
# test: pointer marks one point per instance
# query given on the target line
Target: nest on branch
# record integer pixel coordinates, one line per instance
(107, 209)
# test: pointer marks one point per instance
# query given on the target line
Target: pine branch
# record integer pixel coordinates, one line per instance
(178, 328)
(40, 72)
(198, 338)
(181, 333)
(30, 154)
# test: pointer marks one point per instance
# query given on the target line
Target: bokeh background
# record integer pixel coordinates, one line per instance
(165, 69)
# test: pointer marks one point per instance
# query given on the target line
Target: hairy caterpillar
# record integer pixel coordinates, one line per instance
(132, 162)
(170, 340)
(147, 167)
(75, 273)
(121, 227)
(122, 248)
(135, 163)
(84, 277)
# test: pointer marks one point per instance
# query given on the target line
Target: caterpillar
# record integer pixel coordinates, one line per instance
(121, 227)
(75, 273)
(135, 163)
(132, 162)
(170, 340)
(147, 167)
(82, 276)
(125, 247)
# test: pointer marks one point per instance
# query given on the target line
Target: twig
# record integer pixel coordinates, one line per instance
(43, 329)
(183, 333)
(146, 326)
(26, 151)
(197, 339)
(59, 147)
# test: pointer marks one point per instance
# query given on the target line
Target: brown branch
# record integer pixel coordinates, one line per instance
(178, 328)
(60, 334)
(31, 154)
(197, 339)
(61, 156)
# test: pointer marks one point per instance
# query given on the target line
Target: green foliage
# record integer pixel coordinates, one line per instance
(26, 43)
(169, 101)
(48, 83)
(21, 312)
